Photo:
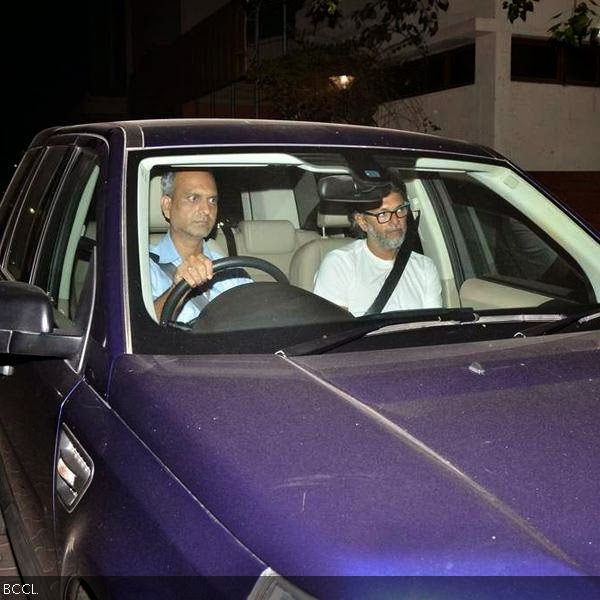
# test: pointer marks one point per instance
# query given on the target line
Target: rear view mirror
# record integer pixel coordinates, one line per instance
(347, 189)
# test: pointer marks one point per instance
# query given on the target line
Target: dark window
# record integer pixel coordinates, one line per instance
(535, 60)
(271, 17)
(545, 61)
(435, 72)
(17, 187)
(461, 63)
(582, 65)
(34, 209)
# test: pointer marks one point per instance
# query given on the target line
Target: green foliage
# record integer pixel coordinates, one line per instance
(574, 31)
(324, 10)
(412, 20)
(378, 20)
(578, 27)
(298, 85)
(518, 9)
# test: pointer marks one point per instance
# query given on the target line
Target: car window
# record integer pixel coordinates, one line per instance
(499, 243)
(34, 209)
(494, 241)
(15, 190)
(70, 236)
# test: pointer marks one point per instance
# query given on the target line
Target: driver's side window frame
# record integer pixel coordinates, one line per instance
(66, 262)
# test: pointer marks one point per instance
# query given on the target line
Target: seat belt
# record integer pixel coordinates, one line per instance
(229, 239)
(400, 262)
(199, 300)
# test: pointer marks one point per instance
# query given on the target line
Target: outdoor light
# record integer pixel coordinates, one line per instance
(342, 82)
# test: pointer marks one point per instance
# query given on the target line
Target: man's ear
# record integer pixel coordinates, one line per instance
(165, 205)
(360, 221)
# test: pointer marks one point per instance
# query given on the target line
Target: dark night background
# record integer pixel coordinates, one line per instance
(78, 61)
(55, 55)
(95, 60)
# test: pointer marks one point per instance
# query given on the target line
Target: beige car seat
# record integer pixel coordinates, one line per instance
(307, 259)
(273, 241)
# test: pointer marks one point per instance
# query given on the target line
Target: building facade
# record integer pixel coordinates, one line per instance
(486, 80)
(533, 100)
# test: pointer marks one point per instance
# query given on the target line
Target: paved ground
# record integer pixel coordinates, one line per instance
(8, 568)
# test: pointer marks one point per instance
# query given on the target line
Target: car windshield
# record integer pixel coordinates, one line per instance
(495, 244)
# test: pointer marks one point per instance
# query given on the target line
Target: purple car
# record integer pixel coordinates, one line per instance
(279, 443)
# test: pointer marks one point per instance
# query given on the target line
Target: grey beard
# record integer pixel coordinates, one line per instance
(385, 242)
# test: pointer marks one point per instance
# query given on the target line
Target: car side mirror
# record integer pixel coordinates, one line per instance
(27, 324)
(24, 307)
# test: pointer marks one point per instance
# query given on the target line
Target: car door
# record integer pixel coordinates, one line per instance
(49, 244)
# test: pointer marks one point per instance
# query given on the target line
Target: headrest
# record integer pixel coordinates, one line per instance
(268, 237)
(158, 223)
(329, 220)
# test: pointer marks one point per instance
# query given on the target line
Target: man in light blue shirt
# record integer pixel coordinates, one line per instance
(189, 203)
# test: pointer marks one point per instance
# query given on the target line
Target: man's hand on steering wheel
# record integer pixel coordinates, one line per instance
(196, 269)
(182, 287)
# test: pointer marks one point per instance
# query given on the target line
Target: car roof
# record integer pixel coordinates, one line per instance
(159, 133)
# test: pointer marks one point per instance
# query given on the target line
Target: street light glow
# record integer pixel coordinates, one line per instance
(342, 82)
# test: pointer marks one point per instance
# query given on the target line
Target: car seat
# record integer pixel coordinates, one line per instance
(307, 259)
(275, 241)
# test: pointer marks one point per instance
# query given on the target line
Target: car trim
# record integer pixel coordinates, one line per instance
(127, 333)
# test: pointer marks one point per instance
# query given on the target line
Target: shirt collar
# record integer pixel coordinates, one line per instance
(167, 253)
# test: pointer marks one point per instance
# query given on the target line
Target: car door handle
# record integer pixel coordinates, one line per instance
(74, 469)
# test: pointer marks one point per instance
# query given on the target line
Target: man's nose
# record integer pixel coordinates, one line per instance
(203, 205)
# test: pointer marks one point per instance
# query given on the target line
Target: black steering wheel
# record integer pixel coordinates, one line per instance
(221, 264)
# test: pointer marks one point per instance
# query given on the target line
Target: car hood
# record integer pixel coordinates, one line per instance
(463, 459)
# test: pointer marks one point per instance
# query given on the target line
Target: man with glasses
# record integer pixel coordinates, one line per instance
(353, 275)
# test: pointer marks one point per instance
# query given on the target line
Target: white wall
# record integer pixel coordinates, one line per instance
(540, 126)
(554, 127)
(451, 110)
(461, 16)
(545, 127)
(457, 23)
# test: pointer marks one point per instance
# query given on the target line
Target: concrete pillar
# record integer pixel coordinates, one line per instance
(492, 81)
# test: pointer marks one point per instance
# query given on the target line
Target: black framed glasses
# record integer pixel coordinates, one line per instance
(383, 216)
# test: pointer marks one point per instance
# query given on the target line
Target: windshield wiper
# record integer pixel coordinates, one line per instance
(383, 323)
(573, 320)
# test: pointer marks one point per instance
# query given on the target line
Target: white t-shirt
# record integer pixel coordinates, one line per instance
(352, 276)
